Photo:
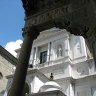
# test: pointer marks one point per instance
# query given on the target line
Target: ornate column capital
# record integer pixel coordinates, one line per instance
(30, 32)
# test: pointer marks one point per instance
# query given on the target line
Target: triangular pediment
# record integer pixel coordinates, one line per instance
(36, 73)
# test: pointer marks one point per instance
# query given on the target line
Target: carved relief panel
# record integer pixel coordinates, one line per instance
(38, 5)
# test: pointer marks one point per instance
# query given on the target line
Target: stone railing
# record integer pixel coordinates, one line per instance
(52, 62)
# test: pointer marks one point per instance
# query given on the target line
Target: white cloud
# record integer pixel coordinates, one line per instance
(12, 46)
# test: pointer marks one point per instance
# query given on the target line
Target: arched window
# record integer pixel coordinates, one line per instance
(59, 51)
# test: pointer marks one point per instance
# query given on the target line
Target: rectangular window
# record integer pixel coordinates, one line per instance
(43, 57)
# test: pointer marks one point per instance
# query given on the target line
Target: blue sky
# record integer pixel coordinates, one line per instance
(11, 21)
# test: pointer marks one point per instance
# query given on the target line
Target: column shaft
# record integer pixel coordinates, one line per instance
(21, 68)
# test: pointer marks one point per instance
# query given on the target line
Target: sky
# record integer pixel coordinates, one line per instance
(11, 24)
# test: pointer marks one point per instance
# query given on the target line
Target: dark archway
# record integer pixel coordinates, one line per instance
(77, 16)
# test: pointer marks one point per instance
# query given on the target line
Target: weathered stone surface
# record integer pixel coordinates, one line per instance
(77, 14)
(50, 93)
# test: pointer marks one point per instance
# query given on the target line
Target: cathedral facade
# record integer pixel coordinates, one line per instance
(64, 57)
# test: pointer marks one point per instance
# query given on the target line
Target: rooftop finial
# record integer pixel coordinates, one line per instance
(51, 76)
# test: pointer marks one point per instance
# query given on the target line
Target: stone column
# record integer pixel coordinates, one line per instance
(48, 52)
(51, 52)
(31, 60)
(21, 69)
(35, 57)
(67, 47)
(34, 51)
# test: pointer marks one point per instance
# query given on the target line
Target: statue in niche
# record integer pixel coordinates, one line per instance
(59, 51)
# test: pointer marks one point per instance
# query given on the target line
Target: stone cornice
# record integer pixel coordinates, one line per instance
(34, 72)
(48, 35)
(48, 93)
(86, 78)
(74, 80)
(8, 56)
(66, 79)
(37, 73)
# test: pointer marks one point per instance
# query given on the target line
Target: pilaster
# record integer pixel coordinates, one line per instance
(67, 47)
(49, 52)
(36, 56)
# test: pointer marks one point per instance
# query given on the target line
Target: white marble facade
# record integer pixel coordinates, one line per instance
(64, 55)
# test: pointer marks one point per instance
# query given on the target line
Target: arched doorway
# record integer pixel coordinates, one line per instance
(76, 16)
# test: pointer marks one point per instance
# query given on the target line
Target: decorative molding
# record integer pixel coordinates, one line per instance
(8, 56)
(48, 93)
(47, 16)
